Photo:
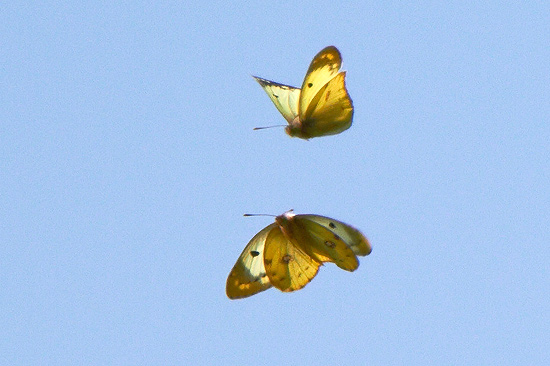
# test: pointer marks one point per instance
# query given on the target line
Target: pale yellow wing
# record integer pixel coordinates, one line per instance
(285, 97)
(287, 267)
(330, 111)
(248, 276)
(325, 65)
(353, 238)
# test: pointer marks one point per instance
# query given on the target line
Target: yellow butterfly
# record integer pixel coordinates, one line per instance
(323, 106)
(287, 254)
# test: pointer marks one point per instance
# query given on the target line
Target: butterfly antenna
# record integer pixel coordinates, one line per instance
(288, 212)
(263, 128)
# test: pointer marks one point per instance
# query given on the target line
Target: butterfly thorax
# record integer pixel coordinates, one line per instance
(307, 129)
(299, 128)
(294, 231)
(286, 224)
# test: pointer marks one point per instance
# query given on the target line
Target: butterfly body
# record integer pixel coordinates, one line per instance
(288, 253)
(322, 106)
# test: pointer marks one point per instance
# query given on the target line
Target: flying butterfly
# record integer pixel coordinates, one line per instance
(288, 253)
(322, 106)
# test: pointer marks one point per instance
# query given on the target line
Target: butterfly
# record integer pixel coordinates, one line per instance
(322, 106)
(287, 254)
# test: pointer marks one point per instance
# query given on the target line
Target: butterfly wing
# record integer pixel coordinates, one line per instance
(284, 97)
(330, 111)
(323, 68)
(287, 267)
(353, 238)
(321, 243)
(248, 276)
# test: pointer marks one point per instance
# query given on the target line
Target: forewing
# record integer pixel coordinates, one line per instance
(323, 244)
(323, 68)
(330, 111)
(248, 276)
(353, 238)
(287, 267)
(284, 97)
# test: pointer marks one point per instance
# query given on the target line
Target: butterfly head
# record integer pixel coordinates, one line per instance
(285, 217)
(284, 222)
(289, 214)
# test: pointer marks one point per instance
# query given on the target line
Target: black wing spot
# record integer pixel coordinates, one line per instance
(336, 237)
(330, 244)
(275, 95)
(309, 85)
(254, 253)
(332, 226)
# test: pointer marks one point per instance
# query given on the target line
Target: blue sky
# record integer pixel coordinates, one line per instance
(127, 159)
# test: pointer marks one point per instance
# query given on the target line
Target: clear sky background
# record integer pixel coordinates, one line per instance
(127, 159)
